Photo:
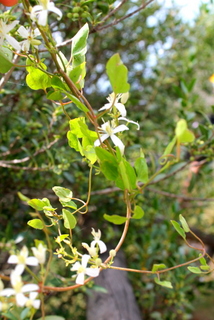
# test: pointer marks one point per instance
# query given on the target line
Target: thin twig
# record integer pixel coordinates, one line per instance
(179, 196)
(113, 23)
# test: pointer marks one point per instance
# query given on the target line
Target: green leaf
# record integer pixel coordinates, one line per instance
(79, 46)
(115, 219)
(6, 57)
(61, 237)
(57, 83)
(77, 102)
(77, 75)
(205, 268)
(138, 213)
(187, 136)
(141, 169)
(108, 165)
(69, 219)
(70, 204)
(37, 204)
(167, 151)
(55, 95)
(166, 284)
(178, 228)
(157, 267)
(23, 197)
(194, 270)
(36, 224)
(128, 175)
(64, 194)
(203, 261)
(117, 74)
(104, 155)
(37, 79)
(184, 223)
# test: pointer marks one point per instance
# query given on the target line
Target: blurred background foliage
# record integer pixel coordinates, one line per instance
(170, 62)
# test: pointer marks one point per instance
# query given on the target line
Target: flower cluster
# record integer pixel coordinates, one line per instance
(39, 13)
(93, 250)
(19, 289)
(109, 129)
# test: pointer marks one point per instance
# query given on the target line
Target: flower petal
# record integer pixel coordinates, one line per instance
(23, 32)
(120, 128)
(92, 272)
(52, 8)
(21, 299)
(76, 266)
(102, 246)
(121, 109)
(12, 41)
(130, 121)
(80, 278)
(32, 261)
(85, 259)
(30, 287)
(7, 292)
(118, 143)
(43, 17)
(19, 269)
(13, 259)
(103, 137)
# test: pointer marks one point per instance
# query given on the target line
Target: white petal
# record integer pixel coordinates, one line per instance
(103, 137)
(21, 299)
(106, 106)
(12, 41)
(36, 304)
(19, 269)
(118, 143)
(121, 109)
(52, 8)
(102, 246)
(35, 10)
(120, 128)
(92, 272)
(30, 287)
(33, 295)
(42, 18)
(76, 266)
(80, 278)
(10, 26)
(24, 33)
(130, 121)
(85, 259)
(7, 292)
(32, 261)
(13, 259)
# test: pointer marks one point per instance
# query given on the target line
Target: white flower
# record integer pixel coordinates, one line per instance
(91, 251)
(82, 269)
(100, 243)
(41, 11)
(32, 301)
(40, 253)
(19, 289)
(4, 30)
(22, 260)
(109, 132)
(119, 106)
(130, 121)
(29, 35)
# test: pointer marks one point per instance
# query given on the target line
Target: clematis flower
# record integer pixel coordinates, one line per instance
(40, 12)
(40, 253)
(109, 132)
(4, 30)
(100, 243)
(19, 289)
(111, 103)
(22, 260)
(29, 35)
(82, 269)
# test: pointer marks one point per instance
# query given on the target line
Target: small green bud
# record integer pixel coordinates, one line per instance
(98, 262)
(76, 15)
(76, 9)
(69, 15)
(112, 253)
